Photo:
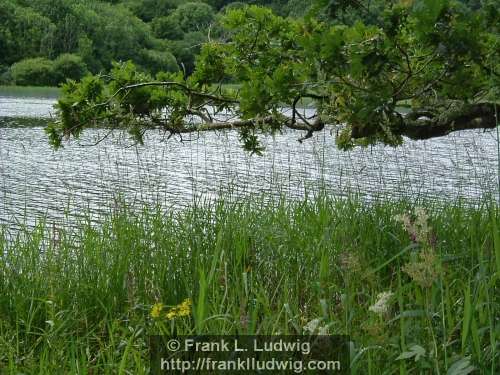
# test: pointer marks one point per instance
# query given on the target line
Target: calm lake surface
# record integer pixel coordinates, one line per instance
(37, 182)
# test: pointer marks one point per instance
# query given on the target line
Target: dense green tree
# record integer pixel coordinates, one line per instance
(5, 75)
(440, 57)
(147, 10)
(218, 4)
(65, 19)
(194, 16)
(167, 28)
(112, 33)
(299, 8)
(277, 6)
(7, 42)
(234, 5)
(98, 32)
(24, 32)
(87, 52)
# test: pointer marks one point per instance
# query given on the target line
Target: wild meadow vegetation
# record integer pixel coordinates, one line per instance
(414, 284)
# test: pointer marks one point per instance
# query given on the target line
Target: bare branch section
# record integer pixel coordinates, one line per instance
(208, 123)
(425, 124)
(310, 128)
(214, 126)
(472, 116)
(417, 125)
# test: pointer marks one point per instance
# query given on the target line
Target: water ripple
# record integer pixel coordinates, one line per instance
(36, 181)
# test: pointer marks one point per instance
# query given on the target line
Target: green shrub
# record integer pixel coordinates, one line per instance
(44, 72)
(69, 66)
(158, 61)
(34, 72)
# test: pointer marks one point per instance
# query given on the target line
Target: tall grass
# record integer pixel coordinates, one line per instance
(79, 300)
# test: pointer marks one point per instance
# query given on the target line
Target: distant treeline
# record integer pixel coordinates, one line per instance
(44, 42)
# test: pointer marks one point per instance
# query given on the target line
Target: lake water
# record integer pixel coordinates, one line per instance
(36, 181)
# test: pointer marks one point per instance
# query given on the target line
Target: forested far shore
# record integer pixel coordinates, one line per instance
(45, 42)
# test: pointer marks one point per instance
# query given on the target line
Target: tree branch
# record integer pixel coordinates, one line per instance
(472, 116)
(424, 124)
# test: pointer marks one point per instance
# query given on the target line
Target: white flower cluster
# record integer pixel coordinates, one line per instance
(313, 327)
(382, 305)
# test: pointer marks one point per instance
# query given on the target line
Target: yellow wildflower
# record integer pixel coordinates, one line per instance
(183, 309)
(170, 315)
(156, 310)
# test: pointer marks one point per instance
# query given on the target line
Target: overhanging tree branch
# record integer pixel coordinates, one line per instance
(356, 76)
(424, 124)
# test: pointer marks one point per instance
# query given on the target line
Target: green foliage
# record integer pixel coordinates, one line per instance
(24, 32)
(70, 66)
(97, 32)
(104, 31)
(299, 8)
(147, 10)
(218, 4)
(167, 28)
(185, 50)
(107, 105)
(5, 75)
(44, 72)
(262, 58)
(234, 5)
(277, 6)
(193, 16)
(439, 57)
(90, 291)
(116, 33)
(158, 61)
(35, 72)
